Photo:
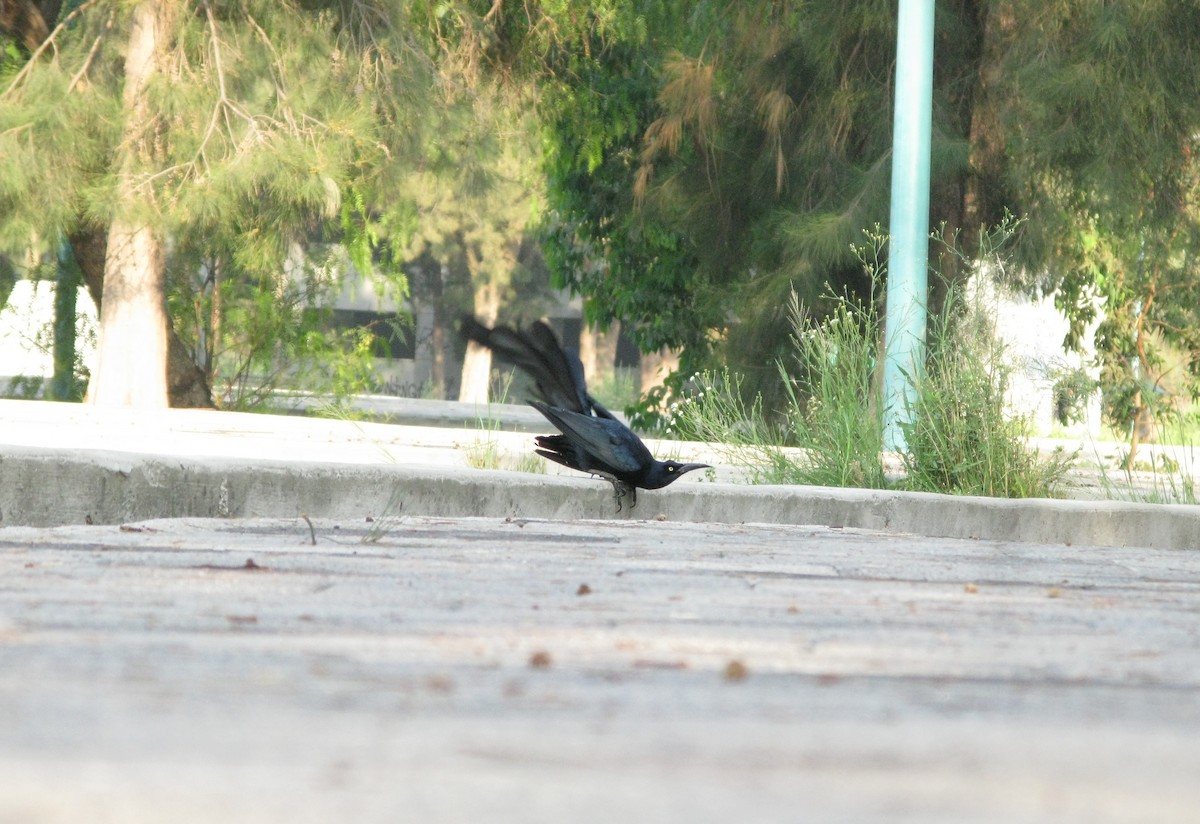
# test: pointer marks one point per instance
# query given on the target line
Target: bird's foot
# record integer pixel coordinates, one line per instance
(622, 490)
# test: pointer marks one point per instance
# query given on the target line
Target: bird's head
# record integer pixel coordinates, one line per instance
(667, 472)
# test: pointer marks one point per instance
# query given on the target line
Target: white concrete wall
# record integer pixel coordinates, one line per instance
(1033, 332)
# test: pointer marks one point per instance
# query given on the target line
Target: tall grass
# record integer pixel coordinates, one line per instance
(961, 439)
(1159, 477)
(716, 412)
(486, 452)
(832, 412)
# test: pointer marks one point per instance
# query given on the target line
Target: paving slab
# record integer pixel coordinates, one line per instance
(526, 670)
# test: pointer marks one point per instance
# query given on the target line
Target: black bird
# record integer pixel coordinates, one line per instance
(592, 440)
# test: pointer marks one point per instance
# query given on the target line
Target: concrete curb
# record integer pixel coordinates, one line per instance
(49, 487)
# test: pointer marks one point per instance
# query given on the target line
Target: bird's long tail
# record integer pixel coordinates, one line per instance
(556, 371)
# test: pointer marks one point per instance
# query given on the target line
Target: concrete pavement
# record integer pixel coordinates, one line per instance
(512, 670)
(364, 628)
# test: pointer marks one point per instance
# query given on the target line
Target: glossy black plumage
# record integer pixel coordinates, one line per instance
(591, 438)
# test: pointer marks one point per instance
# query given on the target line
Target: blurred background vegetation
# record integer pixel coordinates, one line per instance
(697, 174)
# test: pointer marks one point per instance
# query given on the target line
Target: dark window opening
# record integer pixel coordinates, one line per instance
(393, 336)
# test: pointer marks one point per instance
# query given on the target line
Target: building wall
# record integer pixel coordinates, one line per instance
(1033, 332)
(27, 332)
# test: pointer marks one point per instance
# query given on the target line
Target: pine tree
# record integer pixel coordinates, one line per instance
(726, 154)
(246, 125)
(1099, 105)
(475, 197)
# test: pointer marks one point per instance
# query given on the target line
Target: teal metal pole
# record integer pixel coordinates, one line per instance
(908, 255)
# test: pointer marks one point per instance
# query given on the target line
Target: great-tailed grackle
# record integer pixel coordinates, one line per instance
(592, 440)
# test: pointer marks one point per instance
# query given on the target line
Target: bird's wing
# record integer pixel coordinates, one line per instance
(587, 404)
(613, 445)
(598, 410)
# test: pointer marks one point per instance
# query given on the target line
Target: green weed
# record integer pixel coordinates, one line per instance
(961, 438)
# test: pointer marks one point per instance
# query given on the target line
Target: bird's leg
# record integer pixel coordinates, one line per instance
(620, 490)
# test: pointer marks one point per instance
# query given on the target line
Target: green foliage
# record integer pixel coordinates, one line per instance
(258, 336)
(961, 439)
(704, 167)
(715, 177)
(1099, 102)
(26, 387)
(1157, 478)
(1072, 388)
(1148, 343)
(8, 279)
(960, 436)
(702, 161)
(61, 345)
(833, 413)
(618, 390)
(716, 412)
(472, 203)
(275, 124)
(359, 237)
(65, 384)
(598, 97)
(468, 206)
(830, 414)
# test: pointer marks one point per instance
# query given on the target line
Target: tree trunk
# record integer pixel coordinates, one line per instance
(655, 366)
(187, 386)
(131, 364)
(477, 364)
(66, 291)
(1142, 428)
(435, 280)
(437, 355)
(24, 19)
(984, 195)
(598, 351)
(90, 248)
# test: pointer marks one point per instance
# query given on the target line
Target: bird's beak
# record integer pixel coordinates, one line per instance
(689, 467)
